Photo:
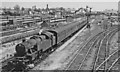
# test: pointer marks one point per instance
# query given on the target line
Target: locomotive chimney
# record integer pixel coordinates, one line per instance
(23, 40)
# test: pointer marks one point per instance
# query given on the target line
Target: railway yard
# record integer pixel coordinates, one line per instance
(83, 41)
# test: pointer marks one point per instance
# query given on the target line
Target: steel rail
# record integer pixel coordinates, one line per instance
(107, 49)
(98, 40)
(87, 55)
(107, 59)
(98, 52)
(116, 60)
(78, 54)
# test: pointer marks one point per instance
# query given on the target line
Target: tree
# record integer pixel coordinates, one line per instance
(22, 9)
(9, 9)
(61, 8)
(17, 7)
(29, 9)
(4, 9)
(39, 10)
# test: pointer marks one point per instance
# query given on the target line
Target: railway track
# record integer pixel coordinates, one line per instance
(18, 36)
(83, 65)
(114, 60)
(102, 54)
(77, 60)
(77, 63)
(111, 60)
(108, 56)
(11, 32)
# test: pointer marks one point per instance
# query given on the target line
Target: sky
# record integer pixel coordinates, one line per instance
(95, 4)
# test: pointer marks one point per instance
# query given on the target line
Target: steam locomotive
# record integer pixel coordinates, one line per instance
(32, 49)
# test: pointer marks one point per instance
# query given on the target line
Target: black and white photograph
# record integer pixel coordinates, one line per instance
(59, 35)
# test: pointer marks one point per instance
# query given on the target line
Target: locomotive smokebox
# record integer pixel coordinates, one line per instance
(20, 50)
